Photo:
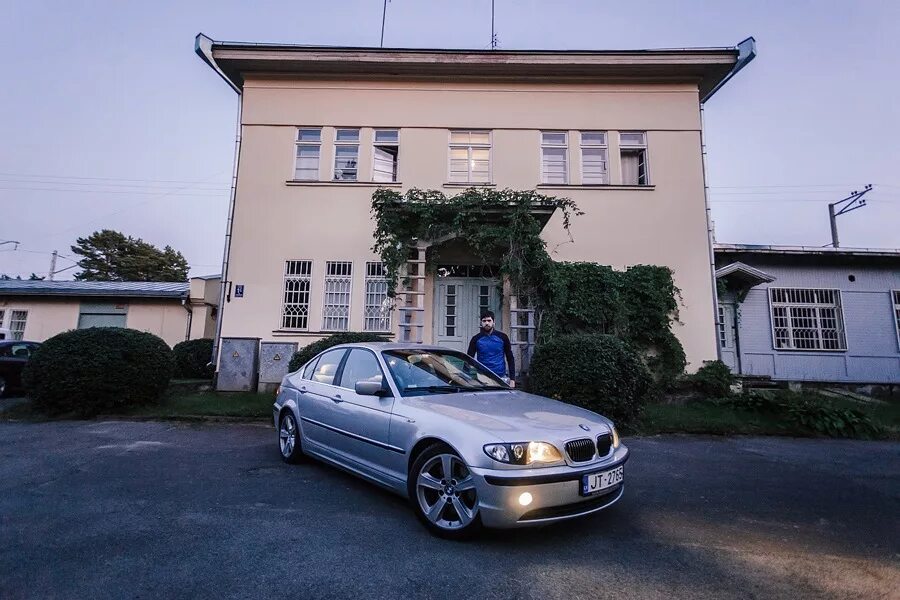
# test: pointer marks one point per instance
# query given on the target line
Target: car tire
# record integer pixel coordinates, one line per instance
(289, 444)
(444, 498)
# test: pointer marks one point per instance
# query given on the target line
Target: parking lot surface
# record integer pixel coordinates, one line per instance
(148, 510)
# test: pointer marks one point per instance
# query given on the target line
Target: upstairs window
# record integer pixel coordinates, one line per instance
(470, 156)
(594, 158)
(346, 154)
(807, 319)
(633, 150)
(306, 164)
(386, 153)
(554, 151)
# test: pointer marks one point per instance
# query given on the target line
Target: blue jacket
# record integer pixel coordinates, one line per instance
(494, 351)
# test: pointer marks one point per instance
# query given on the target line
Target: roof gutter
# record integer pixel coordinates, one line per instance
(203, 47)
(746, 52)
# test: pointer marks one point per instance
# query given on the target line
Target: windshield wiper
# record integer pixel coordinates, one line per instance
(440, 389)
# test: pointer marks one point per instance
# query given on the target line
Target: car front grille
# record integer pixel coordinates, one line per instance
(604, 443)
(580, 450)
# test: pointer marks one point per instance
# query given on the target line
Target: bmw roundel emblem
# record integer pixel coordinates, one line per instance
(583, 426)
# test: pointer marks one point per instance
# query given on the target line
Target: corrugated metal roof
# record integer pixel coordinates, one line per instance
(121, 289)
(808, 250)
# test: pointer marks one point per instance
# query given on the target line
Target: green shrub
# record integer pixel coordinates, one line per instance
(350, 337)
(97, 370)
(192, 359)
(714, 379)
(596, 371)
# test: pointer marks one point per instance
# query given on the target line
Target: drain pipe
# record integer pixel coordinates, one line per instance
(203, 48)
(746, 52)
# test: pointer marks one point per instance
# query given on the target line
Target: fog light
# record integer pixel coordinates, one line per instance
(525, 499)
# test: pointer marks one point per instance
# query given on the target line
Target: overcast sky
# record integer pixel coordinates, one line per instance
(109, 119)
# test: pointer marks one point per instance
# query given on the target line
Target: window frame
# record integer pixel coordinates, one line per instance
(396, 144)
(338, 371)
(582, 145)
(645, 148)
(842, 331)
(345, 144)
(325, 292)
(489, 146)
(298, 142)
(895, 302)
(366, 306)
(18, 335)
(284, 280)
(551, 146)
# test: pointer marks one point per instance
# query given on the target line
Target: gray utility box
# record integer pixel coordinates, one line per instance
(238, 365)
(274, 358)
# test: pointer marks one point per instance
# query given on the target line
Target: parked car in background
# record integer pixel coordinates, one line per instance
(436, 426)
(13, 356)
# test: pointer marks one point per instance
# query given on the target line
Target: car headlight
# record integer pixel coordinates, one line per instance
(523, 453)
(615, 436)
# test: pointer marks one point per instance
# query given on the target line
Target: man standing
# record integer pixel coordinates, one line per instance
(492, 349)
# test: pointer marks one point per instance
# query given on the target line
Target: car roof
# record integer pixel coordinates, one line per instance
(379, 346)
(11, 342)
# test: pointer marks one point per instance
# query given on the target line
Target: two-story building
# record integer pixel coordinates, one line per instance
(321, 128)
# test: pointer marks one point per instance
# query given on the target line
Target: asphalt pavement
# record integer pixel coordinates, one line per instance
(167, 510)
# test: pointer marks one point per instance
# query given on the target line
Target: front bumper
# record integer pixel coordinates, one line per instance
(554, 491)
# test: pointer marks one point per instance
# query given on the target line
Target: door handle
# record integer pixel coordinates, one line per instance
(337, 398)
(303, 389)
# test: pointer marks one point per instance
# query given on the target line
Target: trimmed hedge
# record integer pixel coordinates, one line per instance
(350, 337)
(98, 370)
(595, 371)
(192, 359)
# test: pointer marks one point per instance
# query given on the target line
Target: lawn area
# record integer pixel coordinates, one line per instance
(248, 405)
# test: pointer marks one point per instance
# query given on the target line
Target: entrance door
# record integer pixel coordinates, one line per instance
(726, 336)
(459, 302)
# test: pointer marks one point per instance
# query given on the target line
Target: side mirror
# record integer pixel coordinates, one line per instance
(371, 388)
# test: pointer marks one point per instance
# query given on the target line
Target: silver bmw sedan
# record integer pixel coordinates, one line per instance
(438, 427)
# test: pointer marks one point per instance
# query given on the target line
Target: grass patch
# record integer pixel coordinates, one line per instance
(707, 417)
(248, 405)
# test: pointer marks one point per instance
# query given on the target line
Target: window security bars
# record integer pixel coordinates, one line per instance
(336, 309)
(346, 154)
(295, 305)
(594, 163)
(470, 156)
(807, 319)
(554, 151)
(377, 311)
(723, 341)
(896, 294)
(17, 323)
(386, 153)
(308, 146)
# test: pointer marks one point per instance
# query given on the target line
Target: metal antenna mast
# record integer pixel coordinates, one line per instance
(835, 209)
(383, 17)
(493, 33)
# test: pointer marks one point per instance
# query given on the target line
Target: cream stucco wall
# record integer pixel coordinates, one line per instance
(277, 220)
(48, 316)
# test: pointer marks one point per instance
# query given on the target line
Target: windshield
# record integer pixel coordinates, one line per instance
(438, 371)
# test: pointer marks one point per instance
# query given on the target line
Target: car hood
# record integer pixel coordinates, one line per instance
(511, 415)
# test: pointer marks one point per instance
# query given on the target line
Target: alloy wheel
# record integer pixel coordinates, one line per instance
(287, 436)
(445, 490)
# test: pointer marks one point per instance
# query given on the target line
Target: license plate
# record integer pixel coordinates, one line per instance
(596, 482)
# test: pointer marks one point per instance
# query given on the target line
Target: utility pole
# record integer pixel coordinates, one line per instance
(52, 265)
(383, 17)
(850, 203)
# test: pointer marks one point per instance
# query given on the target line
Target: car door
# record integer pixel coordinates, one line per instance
(318, 397)
(363, 420)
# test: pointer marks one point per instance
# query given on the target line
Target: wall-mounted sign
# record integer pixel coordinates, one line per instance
(239, 291)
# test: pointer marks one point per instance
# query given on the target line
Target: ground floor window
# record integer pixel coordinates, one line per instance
(807, 319)
(338, 282)
(723, 341)
(377, 316)
(295, 301)
(896, 294)
(17, 323)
